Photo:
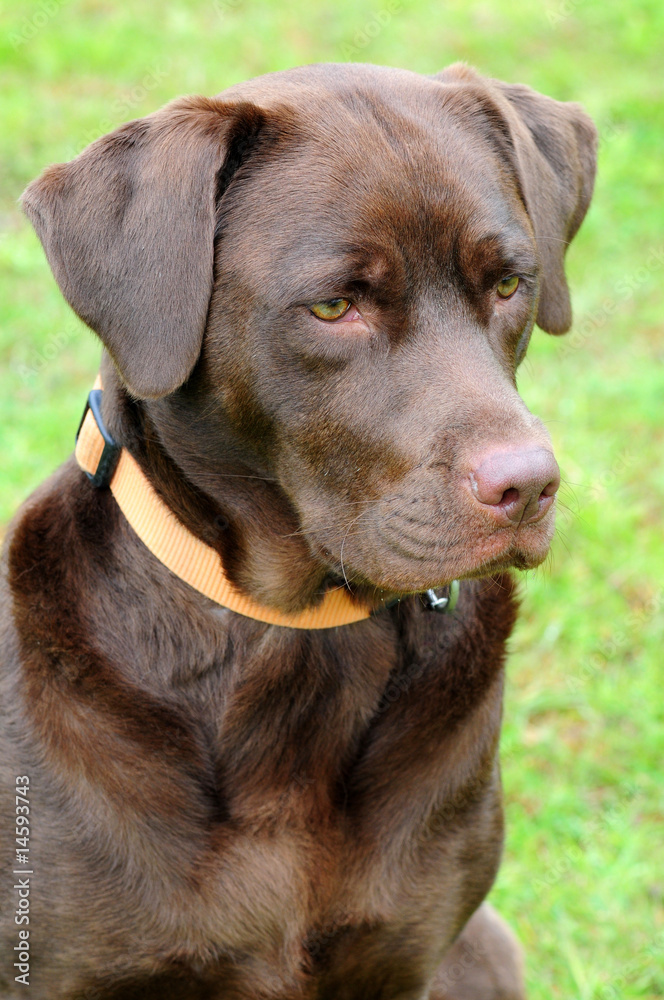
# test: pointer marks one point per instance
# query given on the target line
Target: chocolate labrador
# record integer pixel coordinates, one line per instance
(282, 781)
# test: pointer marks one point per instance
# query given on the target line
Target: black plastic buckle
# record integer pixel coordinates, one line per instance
(111, 453)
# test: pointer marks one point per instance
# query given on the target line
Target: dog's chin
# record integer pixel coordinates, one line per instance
(394, 573)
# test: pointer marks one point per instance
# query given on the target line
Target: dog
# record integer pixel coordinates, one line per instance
(254, 631)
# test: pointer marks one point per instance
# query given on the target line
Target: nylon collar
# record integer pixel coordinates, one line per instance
(108, 464)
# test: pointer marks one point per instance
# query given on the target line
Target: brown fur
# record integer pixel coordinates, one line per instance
(227, 809)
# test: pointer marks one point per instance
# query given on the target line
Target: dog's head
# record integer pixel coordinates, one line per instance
(348, 261)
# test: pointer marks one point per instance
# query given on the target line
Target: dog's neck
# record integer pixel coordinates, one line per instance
(222, 493)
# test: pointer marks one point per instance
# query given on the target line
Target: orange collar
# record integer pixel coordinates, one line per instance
(188, 557)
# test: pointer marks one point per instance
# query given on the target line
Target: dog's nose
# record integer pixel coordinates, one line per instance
(516, 486)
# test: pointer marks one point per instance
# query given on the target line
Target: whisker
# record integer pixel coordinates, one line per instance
(341, 553)
(335, 508)
(553, 239)
(237, 475)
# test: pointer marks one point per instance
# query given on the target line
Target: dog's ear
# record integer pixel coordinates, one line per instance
(128, 229)
(553, 148)
(556, 151)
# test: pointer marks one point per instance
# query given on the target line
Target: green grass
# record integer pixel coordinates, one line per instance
(583, 879)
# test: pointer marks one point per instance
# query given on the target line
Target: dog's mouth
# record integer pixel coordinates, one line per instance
(429, 526)
(400, 556)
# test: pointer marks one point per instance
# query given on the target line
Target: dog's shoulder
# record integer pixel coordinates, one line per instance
(59, 538)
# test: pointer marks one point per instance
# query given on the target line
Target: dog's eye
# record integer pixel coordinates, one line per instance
(508, 286)
(333, 309)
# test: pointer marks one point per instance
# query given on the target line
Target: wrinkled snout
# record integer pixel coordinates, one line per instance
(515, 486)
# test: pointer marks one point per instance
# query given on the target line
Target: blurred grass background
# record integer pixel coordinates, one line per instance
(583, 876)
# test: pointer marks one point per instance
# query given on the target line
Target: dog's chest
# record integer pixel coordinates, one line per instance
(337, 812)
(313, 907)
(292, 814)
